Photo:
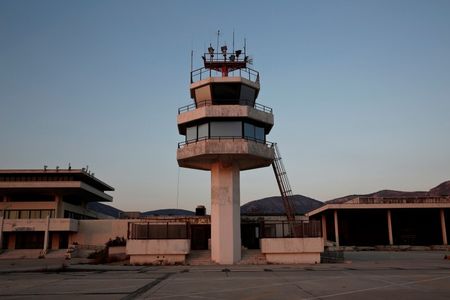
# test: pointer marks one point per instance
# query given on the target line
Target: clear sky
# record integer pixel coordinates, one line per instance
(360, 92)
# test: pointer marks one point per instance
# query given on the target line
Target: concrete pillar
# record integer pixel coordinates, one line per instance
(324, 227)
(46, 236)
(225, 213)
(59, 210)
(443, 229)
(12, 241)
(336, 228)
(389, 221)
(54, 243)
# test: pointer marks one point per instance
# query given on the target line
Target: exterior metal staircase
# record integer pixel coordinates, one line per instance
(285, 188)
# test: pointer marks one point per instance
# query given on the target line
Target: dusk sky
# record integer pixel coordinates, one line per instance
(360, 92)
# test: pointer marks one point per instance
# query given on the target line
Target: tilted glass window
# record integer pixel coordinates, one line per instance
(226, 129)
(203, 131)
(249, 131)
(259, 134)
(191, 133)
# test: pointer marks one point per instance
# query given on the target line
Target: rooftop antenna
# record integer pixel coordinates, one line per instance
(70, 167)
(233, 40)
(192, 60)
(245, 46)
(218, 35)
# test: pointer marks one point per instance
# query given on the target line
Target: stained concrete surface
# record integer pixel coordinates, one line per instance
(365, 275)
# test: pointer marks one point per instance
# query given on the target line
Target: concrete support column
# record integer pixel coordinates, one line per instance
(389, 221)
(59, 210)
(324, 228)
(225, 213)
(443, 229)
(336, 228)
(46, 236)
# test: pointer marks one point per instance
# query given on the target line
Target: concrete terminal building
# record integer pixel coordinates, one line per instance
(40, 208)
(386, 222)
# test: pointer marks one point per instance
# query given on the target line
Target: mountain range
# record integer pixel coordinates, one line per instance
(274, 205)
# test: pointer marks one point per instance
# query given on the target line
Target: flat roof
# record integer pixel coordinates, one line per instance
(78, 174)
(385, 203)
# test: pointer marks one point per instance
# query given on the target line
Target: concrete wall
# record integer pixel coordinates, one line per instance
(203, 154)
(158, 251)
(28, 205)
(292, 250)
(98, 232)
(12, 225)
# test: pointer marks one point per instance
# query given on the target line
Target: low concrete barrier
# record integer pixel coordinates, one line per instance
(292, 250)
(161, 252)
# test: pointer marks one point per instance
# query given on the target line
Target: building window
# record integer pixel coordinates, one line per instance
(203, 131)
(35, 214)
(24, 214)
(29, 214)
(259, 134)
(249, 131)
(226, 129)
(77, 216)
(254, 132)
(12, 214)
(47, 213)
(232, 129)
(191, 133)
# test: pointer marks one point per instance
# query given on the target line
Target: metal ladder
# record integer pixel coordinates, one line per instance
(285, 188)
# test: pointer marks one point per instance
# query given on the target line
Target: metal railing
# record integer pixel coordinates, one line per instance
(184, 143)
(202, 73)
(157, 231)
(245, 102)
(302, 229)
(399, 200)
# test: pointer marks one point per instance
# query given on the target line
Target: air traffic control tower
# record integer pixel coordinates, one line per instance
(225, 132)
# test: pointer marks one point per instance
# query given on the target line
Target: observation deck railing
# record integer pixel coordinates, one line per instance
(203, 103)
(161, 231)
(185, 143)
(282, 229)
(203, 73)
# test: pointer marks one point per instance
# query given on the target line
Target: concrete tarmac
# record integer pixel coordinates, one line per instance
(365, 275)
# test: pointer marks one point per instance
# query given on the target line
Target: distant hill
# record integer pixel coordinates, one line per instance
(168, 212)
(274, 205)
(104, 209)
(442, 189)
